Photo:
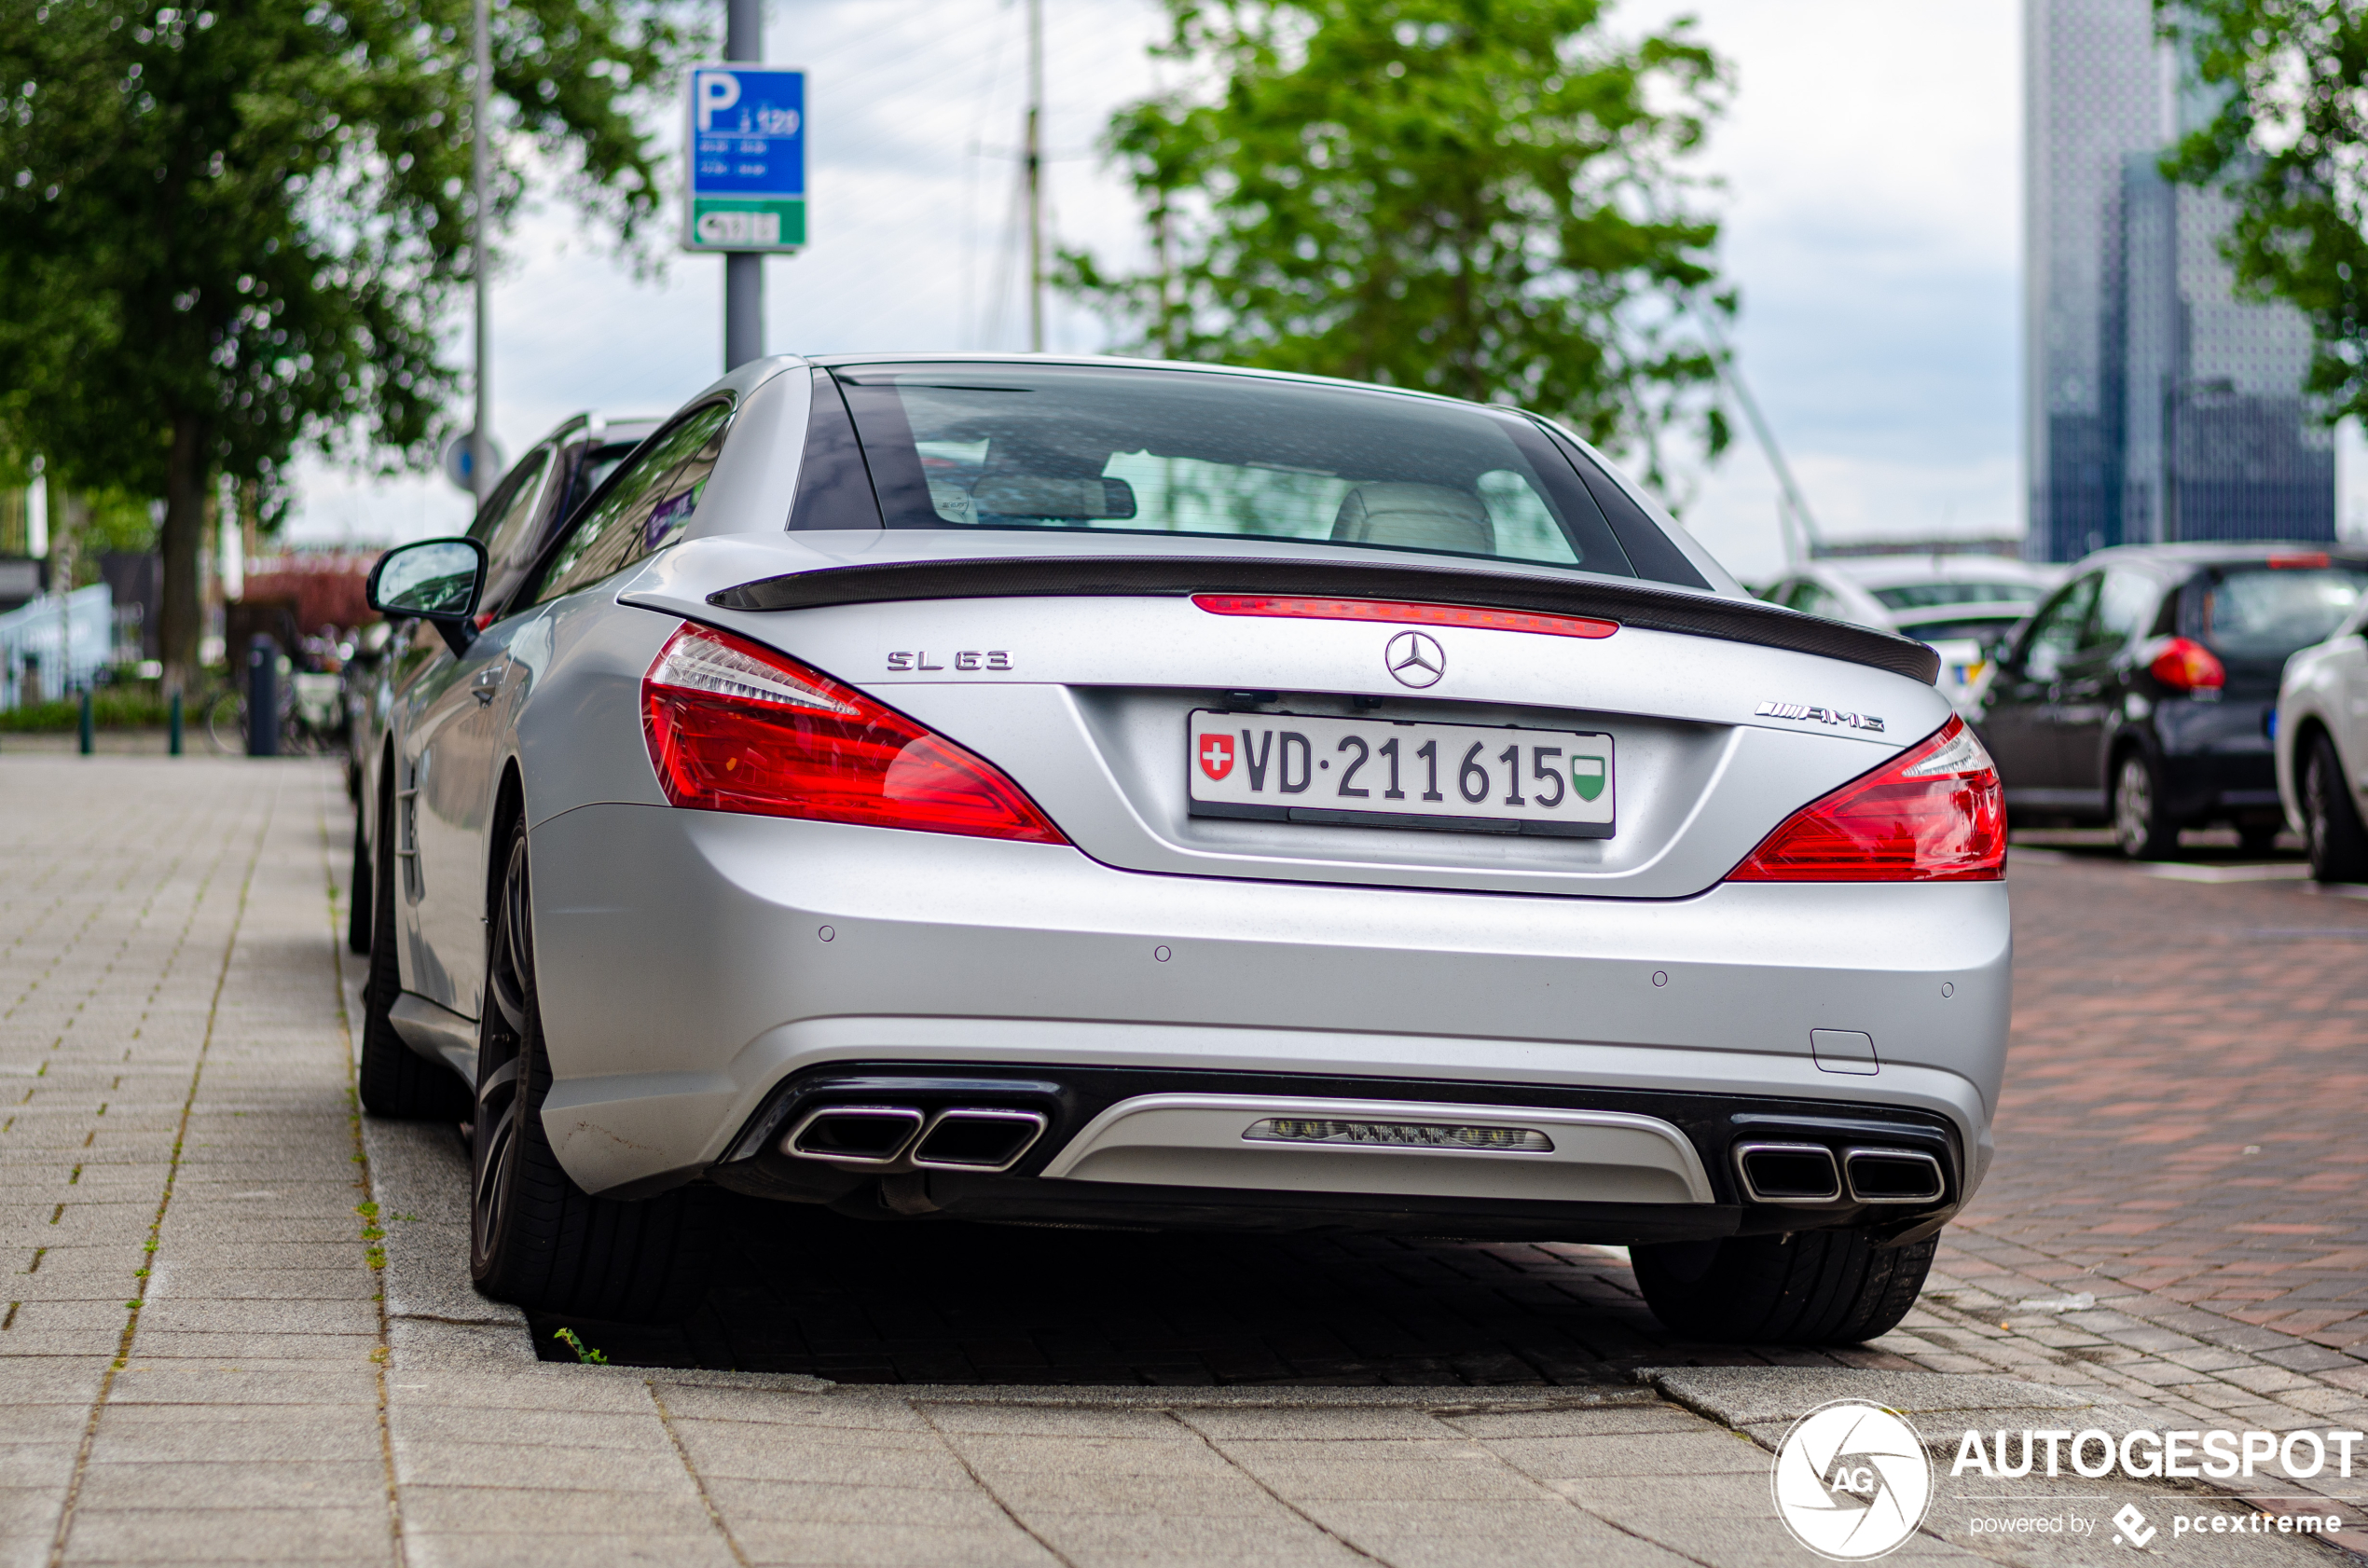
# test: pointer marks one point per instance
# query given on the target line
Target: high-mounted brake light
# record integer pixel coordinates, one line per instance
(1398, 613)
(1935, 813)
(2185, 665)
(733, 726)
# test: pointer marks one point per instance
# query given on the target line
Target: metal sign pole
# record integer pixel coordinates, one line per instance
(481, 459)
(743, 271)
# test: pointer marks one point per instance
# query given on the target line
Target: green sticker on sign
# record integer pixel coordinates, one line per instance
(1587, 775)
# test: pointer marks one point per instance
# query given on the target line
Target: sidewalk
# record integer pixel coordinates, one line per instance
(238, 1325)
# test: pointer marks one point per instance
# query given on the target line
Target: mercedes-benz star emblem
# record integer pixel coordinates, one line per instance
(1414, 657)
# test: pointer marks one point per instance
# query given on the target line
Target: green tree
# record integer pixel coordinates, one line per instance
(1479, 197)
(2286, 82)
(231, 228)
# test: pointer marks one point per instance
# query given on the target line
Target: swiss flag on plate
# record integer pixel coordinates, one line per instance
(1216, 755)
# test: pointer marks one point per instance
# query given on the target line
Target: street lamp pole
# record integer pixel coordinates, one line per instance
(743, 271)
(481, 460)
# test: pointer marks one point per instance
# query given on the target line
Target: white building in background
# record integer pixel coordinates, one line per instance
(2155, 406)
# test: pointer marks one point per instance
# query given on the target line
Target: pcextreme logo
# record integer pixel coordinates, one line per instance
(1852, 1482)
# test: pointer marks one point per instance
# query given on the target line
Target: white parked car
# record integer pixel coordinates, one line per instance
(1958, 606)
(1103, 793)
(2321, 731)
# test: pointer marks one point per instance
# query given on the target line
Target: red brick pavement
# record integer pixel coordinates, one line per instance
(2184, 1096)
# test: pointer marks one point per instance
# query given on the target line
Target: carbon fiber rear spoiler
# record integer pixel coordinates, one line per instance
(1121, 576)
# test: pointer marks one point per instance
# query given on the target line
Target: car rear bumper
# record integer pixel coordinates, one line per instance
(694, 968)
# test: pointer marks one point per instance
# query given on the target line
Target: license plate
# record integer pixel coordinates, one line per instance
(1369, 773)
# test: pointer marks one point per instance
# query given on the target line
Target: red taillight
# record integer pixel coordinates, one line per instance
(2184, 665)
(733, 726)
(1402, 614)
(1935, 813)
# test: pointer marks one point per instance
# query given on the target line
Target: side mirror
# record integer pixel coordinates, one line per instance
(436, 580)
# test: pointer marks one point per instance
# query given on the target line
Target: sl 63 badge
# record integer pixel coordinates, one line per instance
(968, 659)
(1817, 716)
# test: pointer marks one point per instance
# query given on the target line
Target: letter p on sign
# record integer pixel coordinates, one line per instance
(718, 91)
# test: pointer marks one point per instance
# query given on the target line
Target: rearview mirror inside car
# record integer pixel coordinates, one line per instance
(436, 580)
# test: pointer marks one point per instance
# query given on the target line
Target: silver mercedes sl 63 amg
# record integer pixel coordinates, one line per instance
(1100, 792)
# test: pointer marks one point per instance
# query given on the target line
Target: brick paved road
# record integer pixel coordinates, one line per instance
(2184, 1100)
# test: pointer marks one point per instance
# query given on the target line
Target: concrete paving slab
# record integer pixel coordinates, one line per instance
(1277, 1537)
(1748, 1396)
(1426, 1534)
(886, 1545)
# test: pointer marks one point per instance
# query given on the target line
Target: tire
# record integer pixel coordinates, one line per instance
(535, 1238)
(1814, 1288)
(2330, 823)
(2141, 823)
(397, 1082)
(361, 902)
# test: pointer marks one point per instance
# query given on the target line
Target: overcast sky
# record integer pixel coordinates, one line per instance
(1872, 218)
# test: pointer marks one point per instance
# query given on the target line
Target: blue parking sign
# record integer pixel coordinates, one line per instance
(747, 142)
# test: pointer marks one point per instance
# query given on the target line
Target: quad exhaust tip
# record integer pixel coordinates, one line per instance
(961, 1138)
(1806, 1174)
(1893, 1176)
(1789, 1173)
(854, 1134)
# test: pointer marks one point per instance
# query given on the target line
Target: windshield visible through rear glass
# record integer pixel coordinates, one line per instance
(2269, 612)
(1980, 629)
(1180, 452)
(1928, 595)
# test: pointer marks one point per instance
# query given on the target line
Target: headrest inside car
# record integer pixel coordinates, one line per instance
(1415, 517)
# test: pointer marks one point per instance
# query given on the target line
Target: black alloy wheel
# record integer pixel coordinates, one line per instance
(2337, 841)
(2141, 824)
(535, 1238)
(1811, 1288)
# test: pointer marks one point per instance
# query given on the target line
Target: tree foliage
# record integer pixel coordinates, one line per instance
(2289, 145)
(229, 229)
(1479, 197)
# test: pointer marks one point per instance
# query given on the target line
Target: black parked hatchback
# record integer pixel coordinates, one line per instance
(2142, 691)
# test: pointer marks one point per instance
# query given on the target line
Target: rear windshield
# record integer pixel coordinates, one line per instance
(1125, 451)
(1927, 596)
(2269, 612)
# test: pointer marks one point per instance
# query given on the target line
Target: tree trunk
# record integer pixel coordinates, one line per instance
(180, 616)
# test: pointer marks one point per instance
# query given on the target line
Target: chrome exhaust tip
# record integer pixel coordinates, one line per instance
(1788, 1172)
(1893, 1176)
(854, 1134)
(978, 1139)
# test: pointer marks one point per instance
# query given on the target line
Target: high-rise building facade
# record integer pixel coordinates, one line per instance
(2156, 406)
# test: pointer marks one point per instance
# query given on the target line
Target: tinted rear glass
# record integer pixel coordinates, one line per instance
(2269, 612)
(1178, 452)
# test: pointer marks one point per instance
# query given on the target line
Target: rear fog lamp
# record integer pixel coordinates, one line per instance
(1400, 1135)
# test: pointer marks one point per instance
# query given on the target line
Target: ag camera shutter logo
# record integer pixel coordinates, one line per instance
(1852, 1482)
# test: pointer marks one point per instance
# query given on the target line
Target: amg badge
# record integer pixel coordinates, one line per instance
(1818, 715)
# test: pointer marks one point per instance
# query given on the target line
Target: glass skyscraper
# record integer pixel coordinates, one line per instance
(2155, 406)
